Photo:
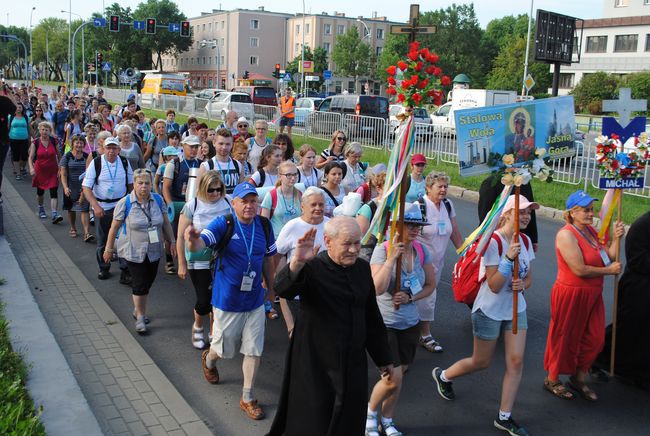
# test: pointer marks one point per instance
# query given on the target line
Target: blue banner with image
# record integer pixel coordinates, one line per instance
(485, 134)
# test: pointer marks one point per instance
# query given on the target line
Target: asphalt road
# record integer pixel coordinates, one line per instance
(621, 408)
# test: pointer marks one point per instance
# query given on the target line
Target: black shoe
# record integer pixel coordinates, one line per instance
(103, 274)
(444, 388)
(510, 426)
(125, 277)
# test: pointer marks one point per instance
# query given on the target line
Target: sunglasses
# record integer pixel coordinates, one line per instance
(194, 145)
(242, 125)
(341, 138)
(213, 190)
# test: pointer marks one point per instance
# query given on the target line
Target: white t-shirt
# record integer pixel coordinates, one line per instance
(201, 213)
(255, 151)
(436, 236)
(310, 179)
(111, 183)
(354, 178)
(499, 306)
(269, 179)
(295, 229)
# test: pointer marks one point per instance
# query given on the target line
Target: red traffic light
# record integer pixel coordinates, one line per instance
(185, 28)
(114, 23)
(277, 66)
(151, 26)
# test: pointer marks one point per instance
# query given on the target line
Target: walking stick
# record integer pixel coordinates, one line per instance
(515, 269)
(617, 246)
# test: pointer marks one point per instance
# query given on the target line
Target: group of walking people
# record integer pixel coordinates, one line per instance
(259, 226)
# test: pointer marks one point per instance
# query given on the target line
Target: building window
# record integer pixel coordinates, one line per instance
(209, 27)
(222, 60)
(297, 48)
(621, 3)
(204, 60)
(253, 60)
(203, 28)
(378, 51)
(351, 86)
(337, 87)
(327, 46)
(222, 42)
(255, 24)
(297, 29)
(327, 29)
(566, 80)
(647, 41)
(596, 44)
(380, 33)
(625, 43)
(340, 29)
(192, 61)
(255, 42)
(307, 29)
(209, 60)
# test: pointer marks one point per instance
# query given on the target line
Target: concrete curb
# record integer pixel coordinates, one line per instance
(65, 409)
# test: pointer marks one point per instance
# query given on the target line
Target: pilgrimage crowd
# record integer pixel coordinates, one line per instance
(264, 228)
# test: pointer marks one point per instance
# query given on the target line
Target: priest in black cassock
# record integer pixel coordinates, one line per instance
(325, 387)
(633, 311)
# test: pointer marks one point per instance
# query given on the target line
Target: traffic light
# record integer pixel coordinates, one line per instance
(185, 28)
(246, 75)
(114, 24)
(151, 26)
(276, 73)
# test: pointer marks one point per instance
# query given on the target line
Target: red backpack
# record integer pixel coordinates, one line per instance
(274, 199)
(466, 280)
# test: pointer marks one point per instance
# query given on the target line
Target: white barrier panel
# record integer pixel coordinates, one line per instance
(370, 131)
(322, 124)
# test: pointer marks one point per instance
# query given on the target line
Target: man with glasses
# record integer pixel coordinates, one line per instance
(238, 296)
(242, 129)
(107, 180)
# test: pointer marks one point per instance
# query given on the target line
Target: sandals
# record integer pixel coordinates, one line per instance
(393, 432)
(198, 341)
(271, 313)
(431, 345)
(372, 430)
(73, 233)
(89, 237)
(557, 389)
(582, 389)
(170, 268)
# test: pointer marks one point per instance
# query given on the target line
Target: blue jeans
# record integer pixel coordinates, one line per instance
(489, 329)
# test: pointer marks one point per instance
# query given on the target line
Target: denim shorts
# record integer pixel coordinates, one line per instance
(489, 329)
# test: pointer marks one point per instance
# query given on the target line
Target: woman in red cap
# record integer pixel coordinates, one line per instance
(577, 330)
(416, 184)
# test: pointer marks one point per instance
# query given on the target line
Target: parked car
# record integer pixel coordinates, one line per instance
(209, 93)
(262, 95)
(304, 107)
(226, 101)
(423, 122)
(361, 116)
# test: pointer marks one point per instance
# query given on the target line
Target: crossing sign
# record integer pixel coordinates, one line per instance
(138, 25)
(287, 77)
(107, 66)
(99, 22)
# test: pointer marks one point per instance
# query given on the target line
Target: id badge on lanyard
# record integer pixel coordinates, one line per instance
(247, 280)
(152, 231)
(604, 256)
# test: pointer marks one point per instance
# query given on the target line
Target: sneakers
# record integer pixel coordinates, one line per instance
(41, 213)
(56, 218)
(444, 388)
(210, 374)
(509, 425)
(170, 268)
(140, 325)
(103, 274)
(198, 341)
(146, 318)
(19, 177)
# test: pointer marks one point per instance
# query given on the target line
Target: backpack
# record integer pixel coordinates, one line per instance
(365, 252)
(37, 143)
(423, 206)
(418, 249)
(127, 208)
(230, 230)
(334, 200)
(465, 281)
(97, 162)
(234, 164)
(274, 199)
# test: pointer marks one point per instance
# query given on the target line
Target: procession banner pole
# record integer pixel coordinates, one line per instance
(515, 269)
(617, 246)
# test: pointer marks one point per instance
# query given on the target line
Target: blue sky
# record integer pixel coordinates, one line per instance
(486, 10)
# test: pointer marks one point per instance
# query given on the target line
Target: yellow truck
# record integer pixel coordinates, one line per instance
(164, 90)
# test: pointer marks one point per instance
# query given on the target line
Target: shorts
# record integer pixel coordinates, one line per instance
(402, 344)
(229, 328)
(284, 121)
(427, 307)
(488, 329)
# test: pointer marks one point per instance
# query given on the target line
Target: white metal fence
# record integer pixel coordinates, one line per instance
(376, 133)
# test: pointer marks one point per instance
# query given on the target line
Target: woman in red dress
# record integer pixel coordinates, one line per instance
(44, 167)
(577, 330)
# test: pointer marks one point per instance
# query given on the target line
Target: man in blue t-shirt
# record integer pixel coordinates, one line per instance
(237, 292)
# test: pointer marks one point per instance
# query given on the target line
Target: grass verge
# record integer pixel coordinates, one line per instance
(548, 194)
(17, 414)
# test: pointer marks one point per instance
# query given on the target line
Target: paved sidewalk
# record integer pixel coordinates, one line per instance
(125, 389)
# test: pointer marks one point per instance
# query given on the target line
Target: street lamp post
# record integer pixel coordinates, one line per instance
(83, 46)
(31, 55)
(302, 58)
(366, 35)
(213, 43)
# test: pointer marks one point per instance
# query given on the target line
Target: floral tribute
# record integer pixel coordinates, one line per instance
(522, 172)
(421, 75)
(615, 164)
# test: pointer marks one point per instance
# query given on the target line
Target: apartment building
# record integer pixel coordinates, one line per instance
(321, 30)
(228, 43)
(618, 43)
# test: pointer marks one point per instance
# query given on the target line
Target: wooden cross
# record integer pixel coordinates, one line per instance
(625, 105)
(413, 28)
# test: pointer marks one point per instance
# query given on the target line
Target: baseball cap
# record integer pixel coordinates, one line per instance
(418, 159)
(100, 90)
(112, 140)
(242, 120)
(169, 151)
(523, 203)
(191, 140)
(579, 198)
(243, 189)
(131, 97)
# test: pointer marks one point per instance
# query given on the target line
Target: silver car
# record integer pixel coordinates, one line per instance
(240, 102)
(423, 123)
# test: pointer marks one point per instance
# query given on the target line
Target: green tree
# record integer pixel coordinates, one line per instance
(395, 48)
(50, 47)
(508, 69)
(164, 42)
(639, 83)
(499, 33)
(12, 53)
(351, 56)
(593, 89)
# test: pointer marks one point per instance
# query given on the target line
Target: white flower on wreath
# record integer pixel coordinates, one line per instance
(540, 152)
(522, 177)
(508, 159)
(542, 175)
(507, 179)
(538, 164)
(602, 139)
